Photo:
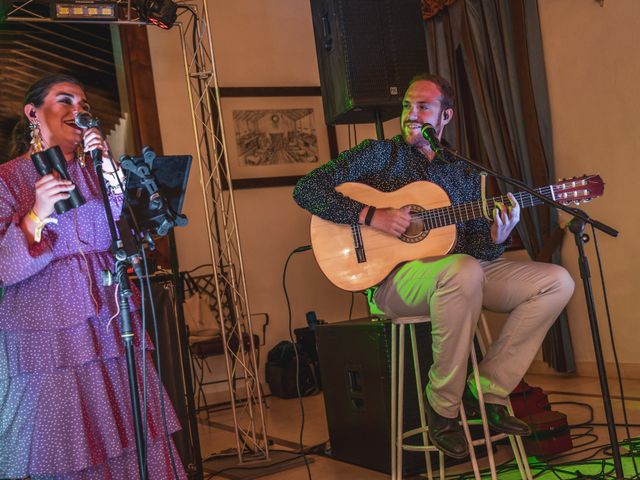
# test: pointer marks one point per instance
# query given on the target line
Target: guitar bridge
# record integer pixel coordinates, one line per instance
(358, 244)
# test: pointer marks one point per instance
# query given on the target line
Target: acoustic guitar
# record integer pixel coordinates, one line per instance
(355, 257)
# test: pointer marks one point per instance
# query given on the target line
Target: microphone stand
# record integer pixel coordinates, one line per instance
(576, 226)
(124, 292)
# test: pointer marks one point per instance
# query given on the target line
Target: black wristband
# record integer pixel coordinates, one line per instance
(369, 216)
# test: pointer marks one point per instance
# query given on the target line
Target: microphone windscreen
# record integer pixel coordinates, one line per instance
(85, 120)
(430, 135)
(428, 130)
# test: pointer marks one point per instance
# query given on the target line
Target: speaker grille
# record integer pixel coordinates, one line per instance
(367, 51)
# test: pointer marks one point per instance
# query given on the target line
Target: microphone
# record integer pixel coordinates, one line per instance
(429, 133)
(84, 120)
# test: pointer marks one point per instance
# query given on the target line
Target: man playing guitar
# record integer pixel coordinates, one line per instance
(452, 289)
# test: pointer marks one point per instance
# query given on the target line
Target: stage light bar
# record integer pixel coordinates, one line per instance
(83, 11)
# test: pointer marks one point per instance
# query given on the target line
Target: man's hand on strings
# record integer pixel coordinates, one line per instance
(505, 218)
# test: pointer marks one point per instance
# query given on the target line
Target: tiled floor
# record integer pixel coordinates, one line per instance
(283, 425)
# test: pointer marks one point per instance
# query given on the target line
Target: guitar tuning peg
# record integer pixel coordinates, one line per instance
(577, 202)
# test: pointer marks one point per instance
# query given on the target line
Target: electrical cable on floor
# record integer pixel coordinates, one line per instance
(593, 439)
(295, 350)
(579, 404)
(546, 467)
(239, 467)
(257, 467)
(596, 424)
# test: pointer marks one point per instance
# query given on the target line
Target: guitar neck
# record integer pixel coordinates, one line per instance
(440, 217)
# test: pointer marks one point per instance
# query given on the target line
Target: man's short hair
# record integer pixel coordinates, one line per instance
(443, 85)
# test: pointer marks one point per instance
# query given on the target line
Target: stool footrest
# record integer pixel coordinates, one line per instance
(410, 320)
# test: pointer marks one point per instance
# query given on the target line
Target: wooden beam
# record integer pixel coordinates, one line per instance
(141, 93)
(143, 109)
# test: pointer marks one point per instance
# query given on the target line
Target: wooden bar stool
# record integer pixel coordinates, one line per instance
(398, 437)
(483, 335)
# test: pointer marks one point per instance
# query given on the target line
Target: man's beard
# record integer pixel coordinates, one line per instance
(416, 139)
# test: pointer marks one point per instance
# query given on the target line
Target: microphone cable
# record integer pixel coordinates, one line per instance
(163, 412)
(301, 249)
(614, 350)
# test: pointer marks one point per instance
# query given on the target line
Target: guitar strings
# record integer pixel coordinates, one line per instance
(440, 217)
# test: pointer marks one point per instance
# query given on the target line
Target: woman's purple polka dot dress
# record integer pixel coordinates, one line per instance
(64, 397)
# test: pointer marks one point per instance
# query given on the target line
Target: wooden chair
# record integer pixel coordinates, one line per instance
(204, 347)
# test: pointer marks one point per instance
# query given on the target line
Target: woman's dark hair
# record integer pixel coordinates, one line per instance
(21, 136)
(445, 87)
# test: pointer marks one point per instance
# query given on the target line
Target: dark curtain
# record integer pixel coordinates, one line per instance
(491, 51)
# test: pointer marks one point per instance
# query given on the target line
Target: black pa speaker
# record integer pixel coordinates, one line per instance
(174, 366)
(368, 51)
(355, 366)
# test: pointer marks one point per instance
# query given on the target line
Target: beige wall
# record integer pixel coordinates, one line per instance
(592, 68)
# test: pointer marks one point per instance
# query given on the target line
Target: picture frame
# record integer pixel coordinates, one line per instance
(274, 135)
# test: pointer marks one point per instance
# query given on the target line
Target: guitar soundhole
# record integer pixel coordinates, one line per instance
(417, 231)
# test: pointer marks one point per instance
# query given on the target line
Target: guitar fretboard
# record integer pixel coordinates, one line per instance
(440, 217)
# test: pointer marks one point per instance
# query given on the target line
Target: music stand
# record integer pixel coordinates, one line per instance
(155, 190)
(154, 195)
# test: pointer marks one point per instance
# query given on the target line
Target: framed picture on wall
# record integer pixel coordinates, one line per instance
(274, 135)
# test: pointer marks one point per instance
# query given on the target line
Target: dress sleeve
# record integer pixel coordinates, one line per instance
(316, 191)
(18, 260)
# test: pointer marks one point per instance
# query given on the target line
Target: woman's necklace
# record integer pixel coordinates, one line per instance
(80, 155)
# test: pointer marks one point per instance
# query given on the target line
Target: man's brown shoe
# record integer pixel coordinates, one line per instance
(446, 433)
(498, 416)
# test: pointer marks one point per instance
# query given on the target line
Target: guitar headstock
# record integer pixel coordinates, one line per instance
(578, 189)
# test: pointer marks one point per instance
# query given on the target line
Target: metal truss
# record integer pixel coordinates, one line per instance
(217, 194)
(224, 240)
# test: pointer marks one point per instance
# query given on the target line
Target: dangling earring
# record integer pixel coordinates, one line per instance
(80, 155)
(37, 143)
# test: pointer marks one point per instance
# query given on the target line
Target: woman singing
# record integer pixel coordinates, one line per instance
(65, 410)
